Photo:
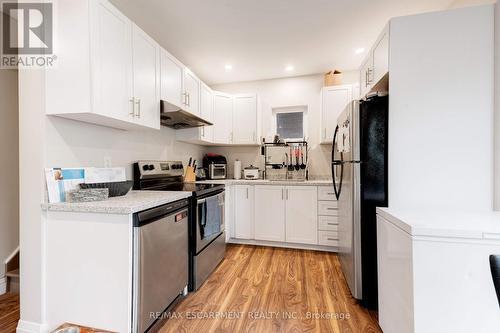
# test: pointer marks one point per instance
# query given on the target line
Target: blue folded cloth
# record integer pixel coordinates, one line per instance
(213, 216)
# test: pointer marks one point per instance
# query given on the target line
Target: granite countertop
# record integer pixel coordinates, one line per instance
(454, 224)
(133, 202)
(318, 182)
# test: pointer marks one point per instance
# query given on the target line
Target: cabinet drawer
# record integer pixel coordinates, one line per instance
(326, 193)
(327, 208)
(328, 223)
(328, 238)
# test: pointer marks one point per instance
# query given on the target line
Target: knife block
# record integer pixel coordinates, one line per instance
(190, 175)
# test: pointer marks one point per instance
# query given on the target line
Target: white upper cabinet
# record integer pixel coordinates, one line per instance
(146, 63)
(381, 57)
(270, 213)
(191, 92)
(207, 112)
(244, 209)
(334, 100)
(112, 71)
(376, 64)
(108, 69)
(301, 214)
(171, 79)
(245, 119)
(223, 118)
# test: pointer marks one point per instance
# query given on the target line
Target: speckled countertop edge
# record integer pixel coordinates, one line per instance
(133, 202)
(318, 182)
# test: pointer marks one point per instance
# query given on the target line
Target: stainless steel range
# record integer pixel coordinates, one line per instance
(207, 244)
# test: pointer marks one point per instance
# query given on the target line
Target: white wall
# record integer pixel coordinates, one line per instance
(441, 110)
(466, 3)
(301, 90)
(497, 107)
(72, 144)
(9, 177)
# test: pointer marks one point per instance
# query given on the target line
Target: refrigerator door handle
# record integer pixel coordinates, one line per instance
(336, 163)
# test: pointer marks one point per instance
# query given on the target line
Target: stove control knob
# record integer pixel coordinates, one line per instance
(145, 167)
(151, 167)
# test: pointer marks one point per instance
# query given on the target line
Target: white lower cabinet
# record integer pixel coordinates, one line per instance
(276, 213)
(270, 213)
(244, 207)
(301, 214)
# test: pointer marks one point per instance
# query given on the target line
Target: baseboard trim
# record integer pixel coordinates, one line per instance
(282, 244)
(3, 285)
(24, 326)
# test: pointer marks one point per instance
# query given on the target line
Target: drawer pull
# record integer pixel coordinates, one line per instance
(330, 208)
(332, 239)
(331, 224)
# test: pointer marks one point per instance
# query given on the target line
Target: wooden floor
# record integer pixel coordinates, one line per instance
(9, 312)
(264, 289)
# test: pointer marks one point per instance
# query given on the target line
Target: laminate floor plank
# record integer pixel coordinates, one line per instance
(266, 289)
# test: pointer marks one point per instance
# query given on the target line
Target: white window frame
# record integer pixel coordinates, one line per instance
(291, 109)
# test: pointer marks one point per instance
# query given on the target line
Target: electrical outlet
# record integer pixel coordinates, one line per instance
(107, 162)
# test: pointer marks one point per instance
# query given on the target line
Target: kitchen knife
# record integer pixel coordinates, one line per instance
(190, 160)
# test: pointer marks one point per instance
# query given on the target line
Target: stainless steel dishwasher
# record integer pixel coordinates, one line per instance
(160, 264)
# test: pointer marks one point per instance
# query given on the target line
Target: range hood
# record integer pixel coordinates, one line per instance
(174, 117)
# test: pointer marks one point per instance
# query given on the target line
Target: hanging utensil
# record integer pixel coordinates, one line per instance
(290, 166)
(302, 166)
(297, 165)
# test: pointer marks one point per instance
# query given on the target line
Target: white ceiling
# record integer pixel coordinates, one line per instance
(260, 37)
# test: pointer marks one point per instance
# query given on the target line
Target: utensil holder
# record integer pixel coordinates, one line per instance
(190, 175)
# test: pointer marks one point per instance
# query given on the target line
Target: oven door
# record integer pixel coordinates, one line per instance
(210, 221)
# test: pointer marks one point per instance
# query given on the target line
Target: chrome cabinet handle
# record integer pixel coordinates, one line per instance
(286, 194)
(138, 103)
(332, 224)
(282, 194)
(132, 113)
(332, 239)
(188, 99)
(203, 132)
(247, 192)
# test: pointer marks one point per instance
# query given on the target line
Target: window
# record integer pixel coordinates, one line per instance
(290, 122)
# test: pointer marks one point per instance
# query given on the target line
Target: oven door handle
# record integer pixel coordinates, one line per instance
(201, 201)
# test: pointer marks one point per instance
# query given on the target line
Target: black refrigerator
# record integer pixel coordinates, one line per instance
(359, 170)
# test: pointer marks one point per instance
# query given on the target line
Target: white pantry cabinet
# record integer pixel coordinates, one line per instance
(107, 69)
(244, 210)
(172, 73)
(223, 118)
(334, 100)
(301, 214)
(269, 213)
(245, 119)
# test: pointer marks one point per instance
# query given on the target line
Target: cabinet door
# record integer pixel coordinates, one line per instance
(380, 58)
(112, 62)
(223, 118)
(245, 119)
(192, 92)
(146, 64)
(301, 214)
(335, 99)
(171, 79)
(364, 81)
(244, 208)
(207, 112)
(270, 213)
